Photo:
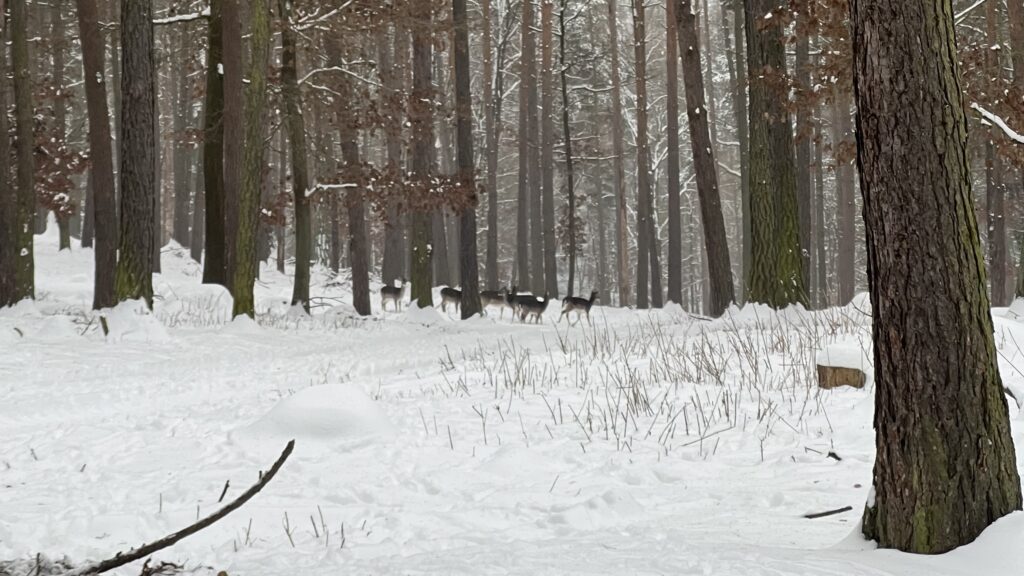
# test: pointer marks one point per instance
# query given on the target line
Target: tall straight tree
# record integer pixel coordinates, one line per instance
(570, 176)
(716, 242)
(393, 266)
(235, 130)
(846, 200)
(491, 127)
(537, 281)
(8, 200)
(60, 110)
(675, 231)
(421, 118)
(804, 186)
(214, 264)
(24, 274)
(547, 147)
(648, 274)
(1015, 16)
(468, 267)
(775, 277)
(358, 250)
(245, 266)
(941, 421)
(101, 171)
(134, 276)
(995, 193)
(619, 158)
(181, 104)
(300, 165)
(739, 101)
(527, 66)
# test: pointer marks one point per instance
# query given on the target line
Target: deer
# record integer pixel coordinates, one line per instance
(393, 294)
(450, 296)
(533, 307)
(513, 299)
(498, 298)
(580, 306)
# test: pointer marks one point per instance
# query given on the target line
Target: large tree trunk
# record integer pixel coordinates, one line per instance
(619, 157)
(675, 232)
(134, 276)
(995, 193)
(547, 148)
(537, 280)
(644, 196)
(716, 241)
(214, 264)
(743, 136)
(526, 66)
(59, 42)
(491, 127)
(945, 466)
(248, 201)
(775, 277)
(422, 124)
(468, 268)
(235, 132)
(300, 164)
(101, 171)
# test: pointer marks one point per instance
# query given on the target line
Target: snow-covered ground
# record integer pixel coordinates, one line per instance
(650, 443)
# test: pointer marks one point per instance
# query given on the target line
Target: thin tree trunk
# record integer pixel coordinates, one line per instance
(58, 43)
(846, 262)
(24, 275)
(1015, 17)
(569, 171)
(394, 229)
(214, 264)
(675, 233)
(538, 282)
(134, 276)
(491, 127)
(198, 202)
(804, 186)
(358, 247)
(942, 425)
(101, 170)
(821, 268)
(716, 242)
(547, 151)
(619, 154)
(994, 172)
(300, 165)
(743, 136)
(470, 276)
(245, 231)
(421, 119)
(8, 198)
(527, 56)
(180, 152)
(646, 248)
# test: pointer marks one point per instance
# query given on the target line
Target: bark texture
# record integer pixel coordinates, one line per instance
(134, 276)
(24, 182)
(945, 466)
(214, 264)
(468, 266)
(101, 170)
(619, 157)
(422, 125)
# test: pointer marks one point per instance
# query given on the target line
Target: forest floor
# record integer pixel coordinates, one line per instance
(650, 443)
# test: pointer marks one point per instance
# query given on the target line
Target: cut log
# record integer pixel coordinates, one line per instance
(830, 377)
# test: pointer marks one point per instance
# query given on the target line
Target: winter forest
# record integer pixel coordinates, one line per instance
(729, 287)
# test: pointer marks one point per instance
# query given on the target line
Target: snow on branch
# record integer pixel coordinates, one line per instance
(343, 71)
(967, 11)
(313, 20)
(992, 119)
(205, 13)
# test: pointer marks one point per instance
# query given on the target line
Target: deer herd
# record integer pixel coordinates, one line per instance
(525, 306)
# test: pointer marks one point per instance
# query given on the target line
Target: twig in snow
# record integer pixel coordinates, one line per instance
(828, 513)
(120, 559)
(224, 492)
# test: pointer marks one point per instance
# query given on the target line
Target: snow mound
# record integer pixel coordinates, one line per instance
(24, 309)
(56, 328)
(322, 417)
(1016, 310)
(242, 325)
(428, 316)
(843, 356)
(132, 321)
(612, 507)
(861, 303)
(208, 304)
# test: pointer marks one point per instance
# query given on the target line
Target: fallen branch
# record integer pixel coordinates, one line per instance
(829, 513)
(145, 550)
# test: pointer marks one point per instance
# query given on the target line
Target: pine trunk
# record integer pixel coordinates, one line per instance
(570, 175)
(248, 201)
(491, 123)
(468, 268)
(804, 185)
(234, 111)
(422, 125)
(941, 420)
(619, 158)
(643, 178)
(134, 275)
(846, 201)
(292, 100)
(8, 200)
(716, 242)
(214, 264)
(24, 182)
(675, 232)
(358, 248)
(101, 169)
(547, 139)
(180, 152)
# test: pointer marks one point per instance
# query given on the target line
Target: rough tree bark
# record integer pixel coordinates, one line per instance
(775, 277)
(802, 69)
(8, 201)
(743, 136)
(945, 466)
(24, 182)
(643, 177)
(214, 264)
(59, 45)
(248, 200)
(846, 258)
(134, 277)
(358, 246)
(995, 193)
(491, 127)
(468, 267)
(716, 241)
(1015, 16)
(393, 264)
(569, 170)
(235, 132)
(101, 170)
